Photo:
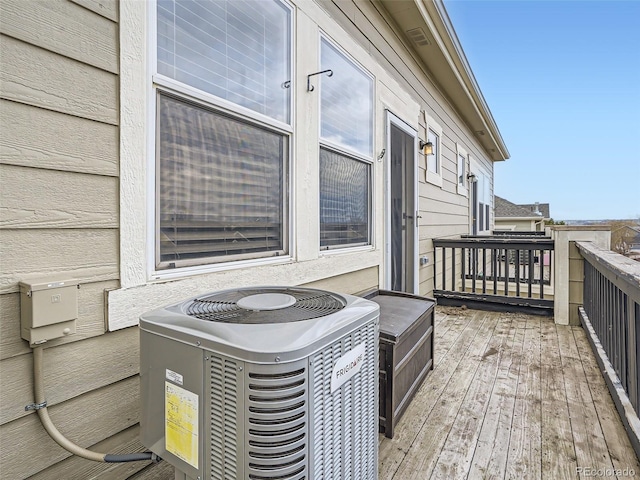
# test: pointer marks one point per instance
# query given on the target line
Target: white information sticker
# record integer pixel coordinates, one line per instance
(347, 366)
(174, 377)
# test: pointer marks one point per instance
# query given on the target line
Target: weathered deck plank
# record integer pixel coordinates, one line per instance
(437, 421)
(558, 452)
(490, 455)
(511, 396)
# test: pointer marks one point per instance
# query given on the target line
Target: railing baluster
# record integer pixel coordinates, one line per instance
(453, 269)
(541, 273)
(517, 272)
(474, 268)
(530, 273)
(494, 273)
(444, 268)
(463, 259)
(484, 270)
(507, 272)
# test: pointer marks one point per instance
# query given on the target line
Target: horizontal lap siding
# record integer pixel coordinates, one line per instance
(445, 213)
(59, 169)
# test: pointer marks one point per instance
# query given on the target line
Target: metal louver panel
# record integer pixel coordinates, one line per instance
(224, 418)
(345, 423)
(277, 422)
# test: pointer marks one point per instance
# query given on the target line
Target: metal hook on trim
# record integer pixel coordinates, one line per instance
(311, 88)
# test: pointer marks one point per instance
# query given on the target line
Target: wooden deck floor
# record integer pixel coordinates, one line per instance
(511, 396)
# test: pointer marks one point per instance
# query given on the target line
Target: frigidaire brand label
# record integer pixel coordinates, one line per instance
(347, 366)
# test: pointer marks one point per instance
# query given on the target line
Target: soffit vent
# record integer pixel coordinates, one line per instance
(419, 37)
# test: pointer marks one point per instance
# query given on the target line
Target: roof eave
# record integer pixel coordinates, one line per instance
(446, 61)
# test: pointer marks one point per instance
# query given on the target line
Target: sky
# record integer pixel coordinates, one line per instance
(562, 80)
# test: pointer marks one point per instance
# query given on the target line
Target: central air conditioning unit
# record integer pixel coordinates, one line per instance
(262, 384)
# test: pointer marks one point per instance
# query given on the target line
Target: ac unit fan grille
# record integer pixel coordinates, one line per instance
(223, 306)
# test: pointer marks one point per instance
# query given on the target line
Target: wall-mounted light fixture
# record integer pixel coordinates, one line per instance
(471, 177)
(426, 147)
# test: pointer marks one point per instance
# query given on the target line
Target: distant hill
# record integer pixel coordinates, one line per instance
(597, 222)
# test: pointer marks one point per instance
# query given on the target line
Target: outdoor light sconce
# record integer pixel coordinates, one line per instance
(426, 147)
(471, 177)
(310, 87)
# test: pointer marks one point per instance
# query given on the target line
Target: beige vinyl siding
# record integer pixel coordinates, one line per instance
(444, 212)
(59, 169)
(353, 283)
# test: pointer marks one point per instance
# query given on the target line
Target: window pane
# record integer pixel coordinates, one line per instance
(461, 173)
(486, 217)
(221, 187)
(238, 50)
(432, 160)
(344, 200)
(481, 217)
(346, 102)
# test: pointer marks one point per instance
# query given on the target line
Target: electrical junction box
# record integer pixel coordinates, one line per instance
(48, 309)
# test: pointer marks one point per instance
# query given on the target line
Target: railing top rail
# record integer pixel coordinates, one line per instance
(532, 243)
(515, 233)
(622, 271)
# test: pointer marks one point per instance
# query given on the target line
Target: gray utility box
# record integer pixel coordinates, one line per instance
(262, 383)
(406, 351)
(48, 309)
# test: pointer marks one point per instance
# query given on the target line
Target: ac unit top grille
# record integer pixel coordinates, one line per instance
(265, 305)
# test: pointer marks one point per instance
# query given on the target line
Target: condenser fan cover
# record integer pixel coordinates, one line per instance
(265, 305)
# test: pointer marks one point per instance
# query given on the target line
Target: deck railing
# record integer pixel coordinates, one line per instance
(500, 272)
(612, 303)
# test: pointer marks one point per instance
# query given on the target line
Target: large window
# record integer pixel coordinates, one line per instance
(222, 130)
(346, 149)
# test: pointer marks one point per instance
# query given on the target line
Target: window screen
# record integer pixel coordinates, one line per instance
(221, 186)
(235, 50)
(344, 200)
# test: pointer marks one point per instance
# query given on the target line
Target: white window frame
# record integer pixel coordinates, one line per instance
(432, 177)
(349, 152)
(462, 183)
(156, 83)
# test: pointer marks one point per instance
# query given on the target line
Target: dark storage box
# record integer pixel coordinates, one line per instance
(406, 351)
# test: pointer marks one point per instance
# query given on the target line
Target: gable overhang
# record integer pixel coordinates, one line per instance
(442, 55)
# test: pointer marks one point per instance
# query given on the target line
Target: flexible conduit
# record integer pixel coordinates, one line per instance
(38, 390)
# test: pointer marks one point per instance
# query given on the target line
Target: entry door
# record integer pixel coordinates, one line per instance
(402, 229)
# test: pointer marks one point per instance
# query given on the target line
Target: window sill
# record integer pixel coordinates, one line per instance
(434, 178)
(346, 250)
(184, 272)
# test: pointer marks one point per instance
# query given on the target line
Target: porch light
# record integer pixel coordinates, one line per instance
(426, 147)
(471, 177)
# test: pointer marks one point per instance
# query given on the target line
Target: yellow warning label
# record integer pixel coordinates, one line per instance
(181, 423)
